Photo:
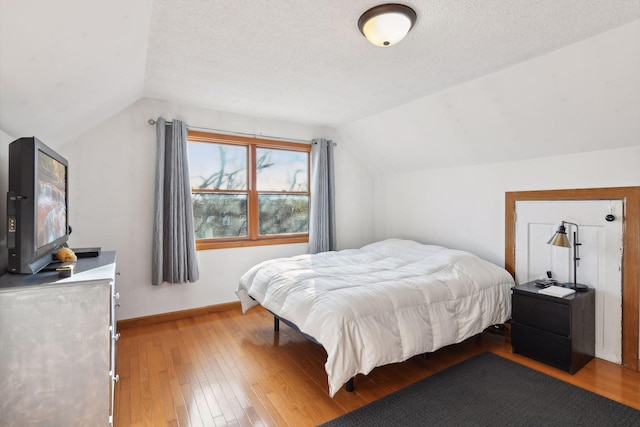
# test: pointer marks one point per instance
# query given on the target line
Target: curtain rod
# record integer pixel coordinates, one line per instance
(253, 135)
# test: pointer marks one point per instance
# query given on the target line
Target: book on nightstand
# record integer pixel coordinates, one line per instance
(557, 291)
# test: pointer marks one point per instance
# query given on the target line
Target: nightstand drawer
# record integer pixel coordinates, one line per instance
(538, 313)
(557, 331)
(543, 346)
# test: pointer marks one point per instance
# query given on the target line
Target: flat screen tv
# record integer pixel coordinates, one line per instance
(37, 205)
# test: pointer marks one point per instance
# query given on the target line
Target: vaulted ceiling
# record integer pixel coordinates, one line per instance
(67, 65)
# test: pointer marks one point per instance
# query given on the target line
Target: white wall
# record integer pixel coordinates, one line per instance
(464, 207)
(111, 197)
(583, 97)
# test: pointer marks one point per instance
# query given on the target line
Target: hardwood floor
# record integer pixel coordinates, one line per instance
(227, 368)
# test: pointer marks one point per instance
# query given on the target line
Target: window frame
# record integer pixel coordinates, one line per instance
(253, 237)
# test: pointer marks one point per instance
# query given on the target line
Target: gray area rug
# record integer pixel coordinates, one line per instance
(488, 390)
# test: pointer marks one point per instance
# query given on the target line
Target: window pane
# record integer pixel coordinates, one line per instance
(217, 166)
(219, 215)
(281, 170)
(280, 214)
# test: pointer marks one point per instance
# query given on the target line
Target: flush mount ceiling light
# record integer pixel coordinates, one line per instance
(387, 24)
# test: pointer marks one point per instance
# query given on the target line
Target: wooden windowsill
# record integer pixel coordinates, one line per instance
(202, 245)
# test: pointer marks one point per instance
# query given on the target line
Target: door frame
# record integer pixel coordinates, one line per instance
(630, 255)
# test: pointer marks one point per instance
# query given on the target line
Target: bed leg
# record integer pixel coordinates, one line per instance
(350, 387)
(425, 356)
(276, 324)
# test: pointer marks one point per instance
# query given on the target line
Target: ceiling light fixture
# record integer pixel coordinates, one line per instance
(387, 24)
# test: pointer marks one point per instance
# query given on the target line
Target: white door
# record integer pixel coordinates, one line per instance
(600, 264)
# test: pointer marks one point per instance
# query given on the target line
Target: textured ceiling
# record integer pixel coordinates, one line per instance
(67, 65)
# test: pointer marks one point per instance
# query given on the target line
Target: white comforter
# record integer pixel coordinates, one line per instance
(383, 303)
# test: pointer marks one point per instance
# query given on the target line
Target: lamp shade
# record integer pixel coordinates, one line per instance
(387, 24)
(560, 238)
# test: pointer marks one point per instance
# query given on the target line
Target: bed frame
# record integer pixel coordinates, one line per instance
(349, 385)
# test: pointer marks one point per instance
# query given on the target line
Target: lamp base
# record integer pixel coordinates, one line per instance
(578, 287)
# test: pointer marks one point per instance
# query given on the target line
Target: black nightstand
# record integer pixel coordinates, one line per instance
(557, 331)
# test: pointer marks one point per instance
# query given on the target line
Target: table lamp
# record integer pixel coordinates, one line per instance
(560, 239)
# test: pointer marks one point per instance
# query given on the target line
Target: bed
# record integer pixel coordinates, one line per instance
(383, 303)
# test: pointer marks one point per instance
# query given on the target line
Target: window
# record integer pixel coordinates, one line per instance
(248, 191)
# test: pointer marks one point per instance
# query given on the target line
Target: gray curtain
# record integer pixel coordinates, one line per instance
(174, 246)
(322, 220)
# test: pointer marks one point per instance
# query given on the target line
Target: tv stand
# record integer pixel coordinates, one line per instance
(58, 343)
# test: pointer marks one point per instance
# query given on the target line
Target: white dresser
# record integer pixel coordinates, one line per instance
(58, 346)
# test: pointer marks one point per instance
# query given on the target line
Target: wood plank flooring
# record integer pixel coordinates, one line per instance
(230, 369)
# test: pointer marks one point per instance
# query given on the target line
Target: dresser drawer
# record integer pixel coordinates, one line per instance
(552, 349)
(538, 313)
